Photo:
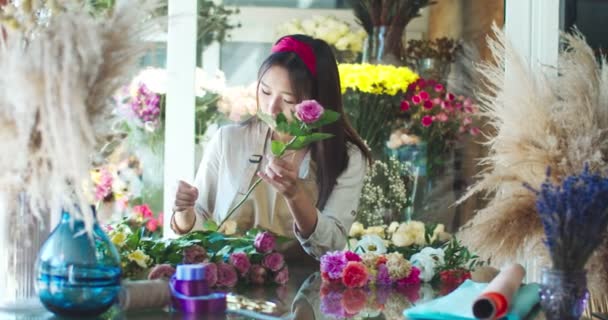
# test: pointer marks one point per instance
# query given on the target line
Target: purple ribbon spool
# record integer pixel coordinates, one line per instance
(190, 293)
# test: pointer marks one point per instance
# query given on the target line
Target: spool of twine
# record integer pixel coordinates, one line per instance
(144, 294)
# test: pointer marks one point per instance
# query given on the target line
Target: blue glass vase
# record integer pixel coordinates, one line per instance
(78, 275)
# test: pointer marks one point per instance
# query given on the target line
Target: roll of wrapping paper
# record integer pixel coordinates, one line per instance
(144, 294)
(493, 303)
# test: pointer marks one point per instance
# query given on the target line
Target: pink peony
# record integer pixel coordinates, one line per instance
(194, 254)
(351, 256)
(161, 271)
(226, 275)
(282, 276)
(355, 275)
(412, 279)
(428, 104)
(405, 106)
(424, 95)
(427, 121)
(264, 242)
(309, 111)
(416, 99)
(240, 261)
(273, 262)
(333, 263)
(210, 273)
(257, 274)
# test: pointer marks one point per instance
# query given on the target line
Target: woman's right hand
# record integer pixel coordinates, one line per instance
(185, 197)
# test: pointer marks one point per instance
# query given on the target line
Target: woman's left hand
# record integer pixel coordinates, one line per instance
(283, 176)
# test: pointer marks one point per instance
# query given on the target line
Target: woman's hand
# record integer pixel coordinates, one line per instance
(283, 176)
(185, 197)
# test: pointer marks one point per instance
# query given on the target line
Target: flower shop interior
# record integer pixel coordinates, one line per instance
(482, 192)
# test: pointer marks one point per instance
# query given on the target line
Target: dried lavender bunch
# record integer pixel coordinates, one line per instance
(574, 216)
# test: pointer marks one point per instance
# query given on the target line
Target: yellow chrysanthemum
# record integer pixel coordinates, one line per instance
(375, 79)
(139, 257)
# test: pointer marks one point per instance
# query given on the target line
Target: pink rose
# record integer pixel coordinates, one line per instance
(226, 275)
(210, 273)
(424, 95)
(282, 276)
(257, 274)
(405, 105)
(161, 271)
(439, 87)
(427, 121)
(416, 99)
(194, 254)
(273, 262)
(355, 275)
(240, 261)
(309, 111)
(264, 242)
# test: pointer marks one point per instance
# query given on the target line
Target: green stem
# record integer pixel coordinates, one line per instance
(255, 184)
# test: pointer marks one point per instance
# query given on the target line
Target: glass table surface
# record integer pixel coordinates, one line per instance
(304, 297)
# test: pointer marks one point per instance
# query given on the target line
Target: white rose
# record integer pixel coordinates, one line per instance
(393, 227)
(402, 239)
(356, 230)
(427, 260)
(376, 230)
(372, 243)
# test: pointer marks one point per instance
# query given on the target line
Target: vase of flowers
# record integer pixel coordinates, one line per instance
(432, 58)
(574, 215)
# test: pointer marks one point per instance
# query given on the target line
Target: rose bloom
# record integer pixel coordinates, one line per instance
(427, 121)
(405, 105)
(282, 276)
(264, 242)
(309, 111)
(194, 254)
(226, 275)
(240, 261)
(257, 274)
(273, 262)
(424, 95)
(428, 104)
(355, 275)
(161, 271)
(210, 273)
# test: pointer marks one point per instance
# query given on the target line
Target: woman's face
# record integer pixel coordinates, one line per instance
(275, 93)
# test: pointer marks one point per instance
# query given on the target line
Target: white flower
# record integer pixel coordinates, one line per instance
(342, 43)
(356, 230)
(402, 239)
(393, 227)
(427, 260)
(372, 243)
(155, 79)
(375, 230)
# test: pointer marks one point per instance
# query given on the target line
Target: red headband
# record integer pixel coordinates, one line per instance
(301, 49)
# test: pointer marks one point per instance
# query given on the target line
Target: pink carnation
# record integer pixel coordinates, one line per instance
(427, 121)
(309, 111)
(264, 242)
(226, 275)
(351, 256)
(382, 277)
(411, 279)
(416, 99)
(282, 276)
(257, 274)
(210, 273)
(333, 263)
(161, 271)
(424, 95)
(273, 262)
(355, 275)
(240, 261)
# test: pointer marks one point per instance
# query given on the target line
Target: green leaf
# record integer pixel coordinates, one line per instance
(281, 119)
(243, 249)
(293, 128)
(277, 147)
(267, 119)
(327, 117)
(301, 142)
(223, 254)
(251, 233)
(210, 225)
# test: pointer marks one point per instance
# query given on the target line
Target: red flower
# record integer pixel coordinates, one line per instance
(424, 95)
(351, 256)
(427, 121)
(439, 87)
(354, 300)
(144, 211)
(450, 96)
(405, 105)
(416, 99)
(428, 104)
(381, 260)
(355, 275)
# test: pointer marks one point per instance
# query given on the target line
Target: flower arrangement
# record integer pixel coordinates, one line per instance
(337, 33)
(443, 49)
(308, 116)
(385, 188)
(438, 256)
(250, 259)
(436, 116)
(371, 95)
(574, 215)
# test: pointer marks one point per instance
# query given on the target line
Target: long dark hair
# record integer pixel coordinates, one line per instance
(330, 155)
